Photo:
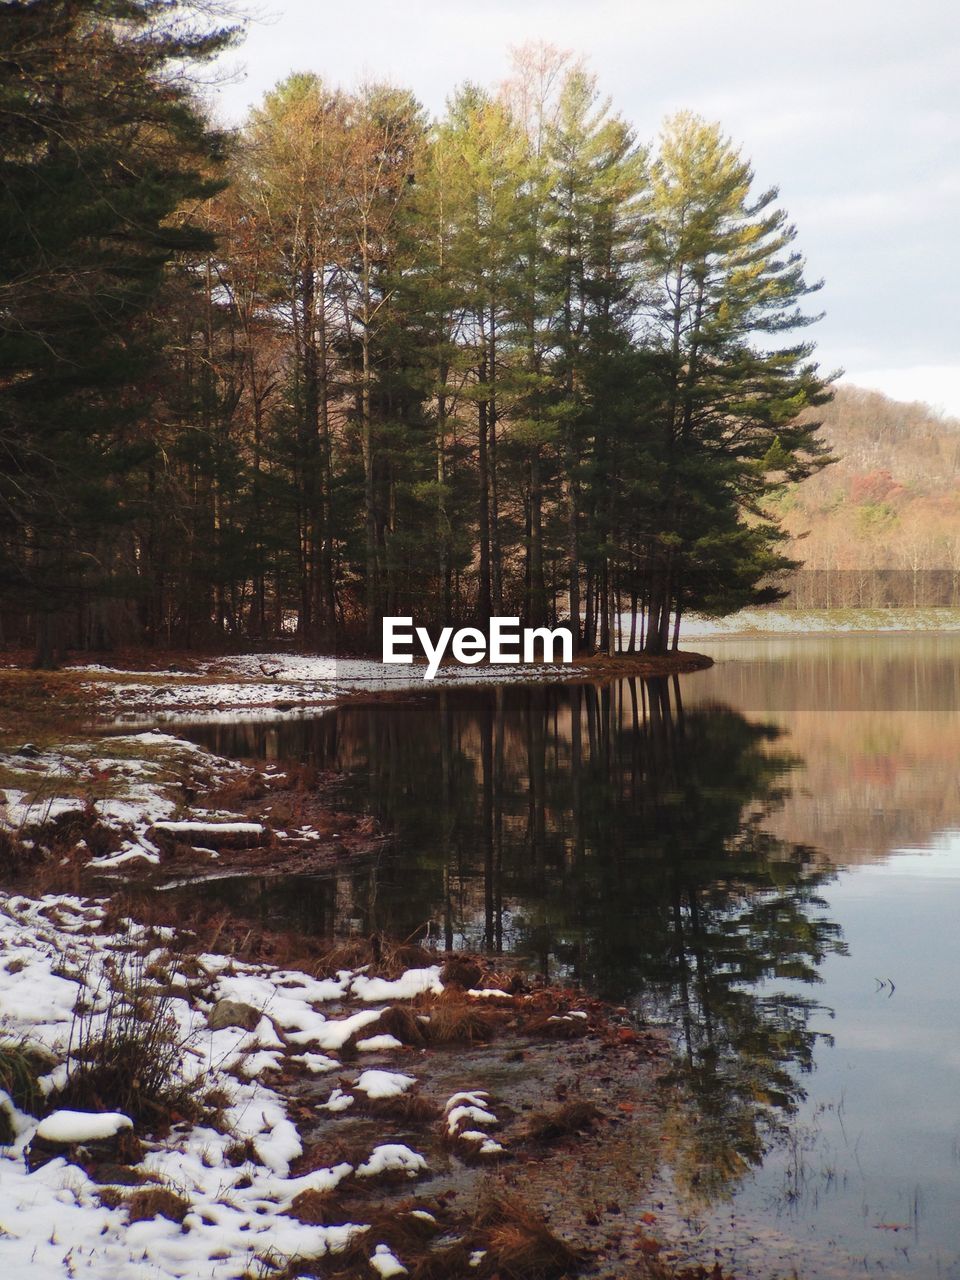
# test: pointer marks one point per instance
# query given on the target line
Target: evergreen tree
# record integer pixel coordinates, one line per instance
(725, 281)
(102, 146)
(503, 363)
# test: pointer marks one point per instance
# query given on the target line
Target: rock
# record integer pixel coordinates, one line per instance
(233, 1013)
(82, 1137)
(211, 834)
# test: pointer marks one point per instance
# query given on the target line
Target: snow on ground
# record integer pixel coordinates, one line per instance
(345, 675)
(57, 954)
(464, 1112)
(264, 681)
(81, 1126)
(126, 786)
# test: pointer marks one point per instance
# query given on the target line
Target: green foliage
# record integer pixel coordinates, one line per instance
(20, 1069)
(876, 517)
(507, 361)
(102, 147)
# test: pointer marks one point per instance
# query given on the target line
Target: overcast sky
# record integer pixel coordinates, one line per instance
(851, 107)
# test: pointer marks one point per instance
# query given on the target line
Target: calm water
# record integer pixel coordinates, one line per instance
(765, 857)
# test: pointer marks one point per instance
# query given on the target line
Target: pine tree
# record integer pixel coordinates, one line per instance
(593, 230)
(724, 281)
(102, 146)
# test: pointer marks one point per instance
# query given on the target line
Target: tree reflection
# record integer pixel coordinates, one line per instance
(618, 839)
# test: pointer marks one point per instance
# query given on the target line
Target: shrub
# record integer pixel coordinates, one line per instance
(20, 1069)
(127, 1056)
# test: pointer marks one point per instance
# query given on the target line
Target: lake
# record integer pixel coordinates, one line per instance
(763, 857)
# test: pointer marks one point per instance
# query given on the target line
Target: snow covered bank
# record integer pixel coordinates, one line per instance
(113, 793)
(287, 682)
(56, 1221)
(254, 1177)
(118, 804)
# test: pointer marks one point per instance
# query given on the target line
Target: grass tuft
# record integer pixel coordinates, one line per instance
(399, 1021)
(20, 1069)
(455, 1020)
(572, 1117)
(127, 1055)
(409, 1108)
(521, 1245)
(461, 972)
(157, 1202)
(557, 1027)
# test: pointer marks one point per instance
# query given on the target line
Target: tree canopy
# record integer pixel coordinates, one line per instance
(353, 361)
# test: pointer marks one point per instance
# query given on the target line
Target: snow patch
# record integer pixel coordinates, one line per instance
(71, 1127)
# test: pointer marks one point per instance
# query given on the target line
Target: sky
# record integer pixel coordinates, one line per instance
(850, 107)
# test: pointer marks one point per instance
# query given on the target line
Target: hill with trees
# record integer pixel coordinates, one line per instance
(881, 526)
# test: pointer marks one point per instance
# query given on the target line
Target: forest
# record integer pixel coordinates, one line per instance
(348, 360)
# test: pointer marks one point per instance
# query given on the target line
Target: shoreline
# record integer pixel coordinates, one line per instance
(287, 681)
(343, 1094)
(548, 1075)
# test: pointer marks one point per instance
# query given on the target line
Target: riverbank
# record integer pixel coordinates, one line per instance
(349, 1109)
(287, 682)
(834, 621)
(77, 800)
(374, 1110)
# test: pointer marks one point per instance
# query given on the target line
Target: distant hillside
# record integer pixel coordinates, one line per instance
(882, 524)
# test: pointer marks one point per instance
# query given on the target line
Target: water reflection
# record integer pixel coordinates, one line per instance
(619, 839)
(693, 859)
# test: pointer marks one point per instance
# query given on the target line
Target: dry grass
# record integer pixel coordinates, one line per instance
(127, 1059)
(206, 927)
(240, 1152)
(43, 706)
(400, 1021)
(405, 1108)
(572, 1117)
(447, 1262)
(557, 1027)
(70, 837)
(17, 856)
(395, 1225)
(461, 971)
(326, 1153)
(455, 1020)
(348, 1264)
(237, 793)
(312, 1207)
(157, 1202)
(385, 958)
(521, 1245)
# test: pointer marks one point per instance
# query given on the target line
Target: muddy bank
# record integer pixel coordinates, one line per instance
(524, 1135)
(148, 687)
(314, 1115)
